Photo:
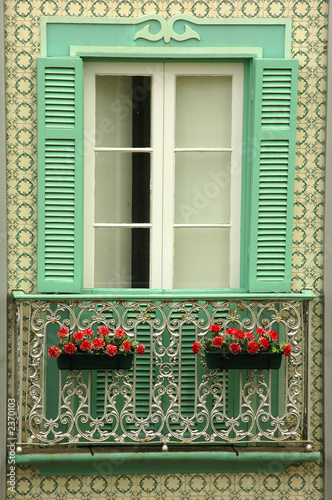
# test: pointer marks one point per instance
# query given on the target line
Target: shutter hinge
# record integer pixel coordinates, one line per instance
(252, 95)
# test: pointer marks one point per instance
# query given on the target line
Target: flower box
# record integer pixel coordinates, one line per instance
(264, 361)
(85, 361)
(90, 350)
(236, 349)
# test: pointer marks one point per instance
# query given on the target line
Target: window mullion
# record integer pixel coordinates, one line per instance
(168, 176)
(156, 264)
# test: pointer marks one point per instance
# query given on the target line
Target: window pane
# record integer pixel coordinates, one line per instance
(122, 257)
(201, 257)
(202, 188)
(122, 111)
(122, 187)
(203, 111)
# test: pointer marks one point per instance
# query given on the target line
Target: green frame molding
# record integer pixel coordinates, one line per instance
(86, 51)
(59, 34)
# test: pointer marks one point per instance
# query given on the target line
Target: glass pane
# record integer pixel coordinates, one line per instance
(202, 188)
(122, 111)
(122, 257)
(201, 257)
(122, 187)
(203, 111)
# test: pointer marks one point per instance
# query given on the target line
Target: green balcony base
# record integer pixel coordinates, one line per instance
(152, 294)
(65, 463)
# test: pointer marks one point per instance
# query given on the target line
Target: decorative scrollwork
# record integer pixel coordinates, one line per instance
(170, 395)
(166, 30)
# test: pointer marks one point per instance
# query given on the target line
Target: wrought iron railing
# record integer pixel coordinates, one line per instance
(169, 396)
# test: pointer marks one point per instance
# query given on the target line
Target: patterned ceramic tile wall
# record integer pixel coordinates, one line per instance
(309, 34)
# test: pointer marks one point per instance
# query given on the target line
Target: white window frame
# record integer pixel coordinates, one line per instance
(162, 152)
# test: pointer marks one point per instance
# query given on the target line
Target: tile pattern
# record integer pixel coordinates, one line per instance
(309, 34)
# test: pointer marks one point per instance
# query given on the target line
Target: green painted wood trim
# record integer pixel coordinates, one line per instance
(59, 33)
(68, 464)
(121, 293)
(165, 54)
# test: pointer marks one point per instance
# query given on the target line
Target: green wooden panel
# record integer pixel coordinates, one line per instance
(60, 175)
(273, 165)
(62, 35)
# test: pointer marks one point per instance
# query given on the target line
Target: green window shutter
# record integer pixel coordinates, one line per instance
(274, 129)
(60, 175)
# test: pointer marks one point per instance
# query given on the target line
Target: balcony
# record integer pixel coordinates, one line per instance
(169, 399)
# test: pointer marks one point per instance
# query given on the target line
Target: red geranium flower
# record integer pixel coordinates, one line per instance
(235, 348)
(231, 331)
(54, 352)
(239, 334)
(249, 335)
(126, 346)
(98, 343)
(196, 347)
(85, 345)
(70, 348)
(287, 350)
(140, 349)
(273, 335)
(111, 349)
(119, 333)
(261, 331)
(63, 333)
(88, 332)
(218, 341)
(215, 328)
(252, 347)
(79, 336)
(264, 343)
(103, 330)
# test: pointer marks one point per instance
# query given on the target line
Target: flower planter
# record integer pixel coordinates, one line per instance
(82, 361)
(215, 360)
